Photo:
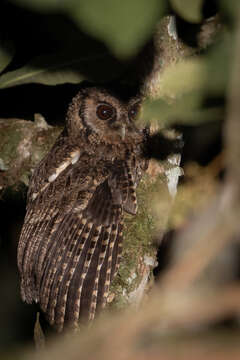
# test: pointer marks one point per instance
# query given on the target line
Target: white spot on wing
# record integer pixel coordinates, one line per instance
(34, 195)
(52, 177)
(62, 167)
(75, 156)
(72, 159)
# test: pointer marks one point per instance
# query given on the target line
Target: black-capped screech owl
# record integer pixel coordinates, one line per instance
(70, 245)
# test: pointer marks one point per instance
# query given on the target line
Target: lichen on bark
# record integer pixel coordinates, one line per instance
(139, 253)
(22, 145)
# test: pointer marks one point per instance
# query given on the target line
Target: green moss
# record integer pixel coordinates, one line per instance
(9, 140)
(42, 143)
(138, 244)
(22, 145)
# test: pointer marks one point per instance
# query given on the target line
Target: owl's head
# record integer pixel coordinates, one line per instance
(108, 112)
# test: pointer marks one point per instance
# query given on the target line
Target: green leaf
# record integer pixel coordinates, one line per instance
(187, 109)
(190, 10)
(185, 76)
(219, 61)
(230, 8)
(123, 26)
(61, 68)
(166, 113)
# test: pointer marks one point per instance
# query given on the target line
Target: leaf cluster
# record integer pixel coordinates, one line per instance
(54, 42)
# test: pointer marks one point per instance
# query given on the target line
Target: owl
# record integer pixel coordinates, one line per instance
(71, 241)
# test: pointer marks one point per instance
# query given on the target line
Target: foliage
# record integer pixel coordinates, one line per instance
(123, 27)
(104, 39)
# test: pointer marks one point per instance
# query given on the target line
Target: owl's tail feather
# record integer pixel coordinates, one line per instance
(78, 259)
(66, 237)
(52, 254)
(82, 287)
(109, 267)
(79, 264)
(117, 251)
(33, 229)
(107, 246)
(90, 280)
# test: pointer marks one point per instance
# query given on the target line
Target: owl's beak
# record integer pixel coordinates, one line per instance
(123, 132)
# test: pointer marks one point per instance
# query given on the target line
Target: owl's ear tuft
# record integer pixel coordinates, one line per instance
(73, 118)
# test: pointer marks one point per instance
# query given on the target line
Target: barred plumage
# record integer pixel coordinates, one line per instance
(71, 242)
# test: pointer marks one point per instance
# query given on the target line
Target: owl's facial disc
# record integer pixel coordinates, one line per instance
(107, 112)
(112, 119)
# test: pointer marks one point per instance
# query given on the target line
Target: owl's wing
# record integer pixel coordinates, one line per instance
(125, 179)
(71, 240)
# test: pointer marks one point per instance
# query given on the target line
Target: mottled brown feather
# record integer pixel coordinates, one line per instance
(70, 245)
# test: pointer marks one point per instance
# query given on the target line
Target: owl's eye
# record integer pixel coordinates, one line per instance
(105, 112)
(134, 111)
